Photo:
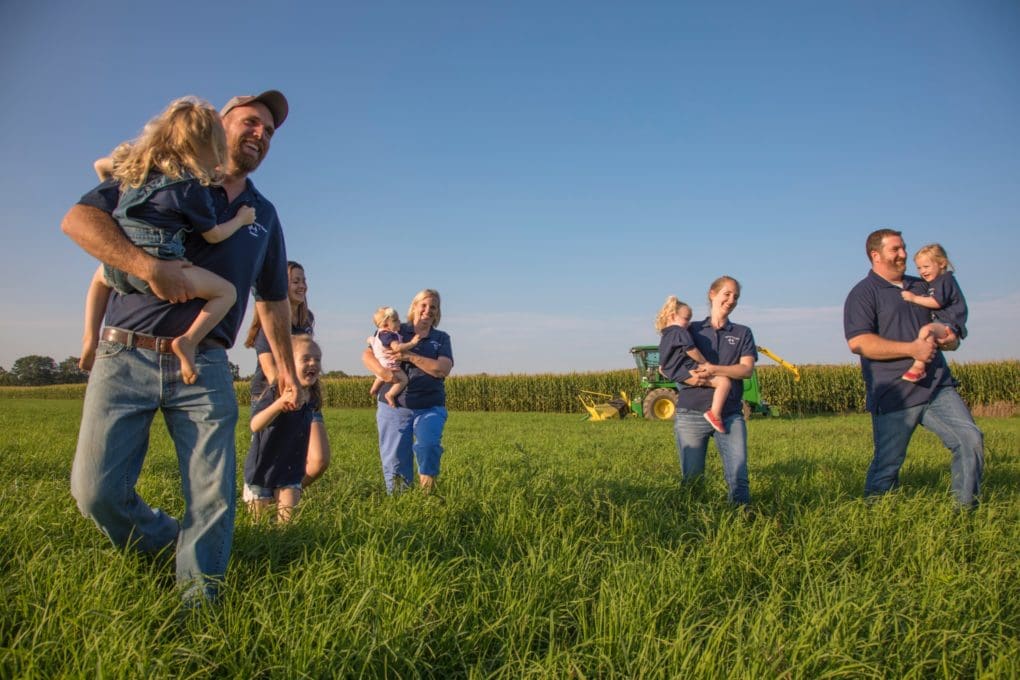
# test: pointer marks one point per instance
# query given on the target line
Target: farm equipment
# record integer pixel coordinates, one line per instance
(657, 400)
(616, 407)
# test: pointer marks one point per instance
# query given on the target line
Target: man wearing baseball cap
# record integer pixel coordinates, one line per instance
(135, 375)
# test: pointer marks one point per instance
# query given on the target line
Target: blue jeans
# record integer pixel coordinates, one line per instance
(948, 418)
(692, 434)
(405, 433)
(126, 388)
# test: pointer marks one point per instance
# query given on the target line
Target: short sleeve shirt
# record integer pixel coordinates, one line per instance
(674, 344)
(253, 259)
(948, 294)
(278, 452)
(876, 306)
(423, 390)
(724, 346)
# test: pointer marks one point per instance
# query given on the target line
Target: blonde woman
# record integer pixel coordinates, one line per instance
(164, 177)
(413, 429)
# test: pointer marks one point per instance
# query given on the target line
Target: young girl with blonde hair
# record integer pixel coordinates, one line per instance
(387, 339)
(944, 299)
(677, 350)
(274, 470)
(164, 177)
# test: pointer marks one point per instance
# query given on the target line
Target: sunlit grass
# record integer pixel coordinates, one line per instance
(555, 548)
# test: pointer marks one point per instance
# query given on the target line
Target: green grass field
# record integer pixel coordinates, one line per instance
(556, 548)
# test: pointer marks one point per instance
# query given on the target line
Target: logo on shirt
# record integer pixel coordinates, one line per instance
(256, 229)
(731, 340)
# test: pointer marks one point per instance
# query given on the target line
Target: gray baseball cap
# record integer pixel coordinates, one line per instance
(273, 99)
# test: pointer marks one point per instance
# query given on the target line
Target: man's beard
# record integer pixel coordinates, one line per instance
(241, 161)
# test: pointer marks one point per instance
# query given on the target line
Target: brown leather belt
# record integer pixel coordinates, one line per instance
(132, 339)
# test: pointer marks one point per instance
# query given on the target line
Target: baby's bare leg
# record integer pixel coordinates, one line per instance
(220, 296)
(930, 331)
(399, 383)
(376, 384)
(721, 387)
(95, 310)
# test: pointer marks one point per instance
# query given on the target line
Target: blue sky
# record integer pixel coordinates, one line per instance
(555, 169)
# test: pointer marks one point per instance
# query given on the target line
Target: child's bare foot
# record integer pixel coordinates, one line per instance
(373, 390)
(185, 351)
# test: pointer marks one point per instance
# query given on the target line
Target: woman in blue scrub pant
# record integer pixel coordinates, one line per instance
(413, 430)
(730, 352)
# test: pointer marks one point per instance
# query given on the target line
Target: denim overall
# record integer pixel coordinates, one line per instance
(164, 243)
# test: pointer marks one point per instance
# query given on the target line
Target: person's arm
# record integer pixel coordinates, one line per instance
(221, 232)
(104, 167)
(696, 354)
(376, 368)
(275, 318)
(925, 301)
(439, 367)
(398, 347)
(268, 366)
(738, 371)
(875, 347)
(266, 416)
(96, 232)
(951, 341)
(95, 309)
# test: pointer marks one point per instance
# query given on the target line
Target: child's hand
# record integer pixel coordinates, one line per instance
(290, 395)
(907, 295)
(246, 214)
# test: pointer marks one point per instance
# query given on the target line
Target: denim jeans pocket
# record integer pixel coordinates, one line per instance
(107, 349)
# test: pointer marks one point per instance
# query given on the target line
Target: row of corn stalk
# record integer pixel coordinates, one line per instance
(822, 389)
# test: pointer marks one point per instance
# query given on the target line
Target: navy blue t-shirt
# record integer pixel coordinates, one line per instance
(254, 258)
(947, 293)
(423, 391)
(674, 344)
(876, 306)
(723, 347)
(278, 452)
(180, 205)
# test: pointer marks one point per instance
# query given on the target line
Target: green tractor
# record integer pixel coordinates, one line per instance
(657, 400)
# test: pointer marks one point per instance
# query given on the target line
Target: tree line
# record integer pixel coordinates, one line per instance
(35, 370)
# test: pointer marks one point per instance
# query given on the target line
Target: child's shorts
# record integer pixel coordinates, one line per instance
(254, 492)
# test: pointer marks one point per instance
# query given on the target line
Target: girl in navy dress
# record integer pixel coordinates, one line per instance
(275, 465)
(943, 297)
(164, 178)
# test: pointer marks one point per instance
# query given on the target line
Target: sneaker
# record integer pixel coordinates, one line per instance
(716, 424)
(913, 376)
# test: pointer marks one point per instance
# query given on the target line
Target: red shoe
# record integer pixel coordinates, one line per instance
(716, 424)
(913, 376)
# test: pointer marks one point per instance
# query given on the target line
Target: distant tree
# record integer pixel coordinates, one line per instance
(68, 372)
(7, 378)
(335, 374)
(34, 370)
(235, 370)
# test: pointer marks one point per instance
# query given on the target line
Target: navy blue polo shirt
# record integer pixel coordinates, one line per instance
(877, 306)
(947, 293)
(278, 452)
(674, 344)
(723, 347)
(254, 258)
(423, 390)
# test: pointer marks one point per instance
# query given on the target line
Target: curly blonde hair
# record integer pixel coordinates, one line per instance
(937, 254)
(186, 138)
(672, 306)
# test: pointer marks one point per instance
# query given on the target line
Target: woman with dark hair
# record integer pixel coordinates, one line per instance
(302, 322)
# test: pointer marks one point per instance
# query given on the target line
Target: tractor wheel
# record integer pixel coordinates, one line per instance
(660, 404)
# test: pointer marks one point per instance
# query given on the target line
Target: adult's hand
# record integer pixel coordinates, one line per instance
(922, 349)
(950, 342)
(168, 281)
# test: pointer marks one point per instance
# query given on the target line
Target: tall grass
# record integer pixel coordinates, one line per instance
(822, 389)
(555, 548)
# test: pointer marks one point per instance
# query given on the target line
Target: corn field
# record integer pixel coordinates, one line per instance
(822, 389)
